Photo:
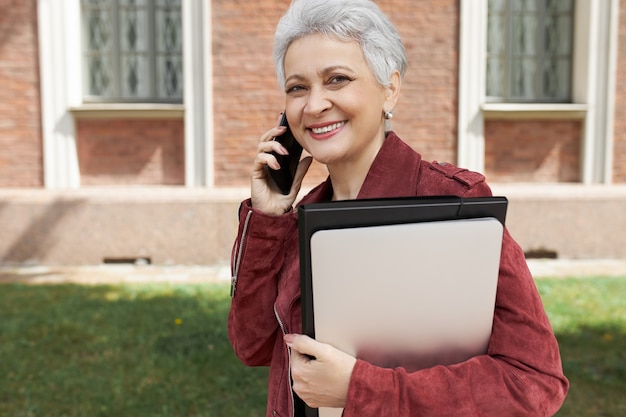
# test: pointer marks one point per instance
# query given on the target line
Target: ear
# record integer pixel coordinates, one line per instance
(392, 92)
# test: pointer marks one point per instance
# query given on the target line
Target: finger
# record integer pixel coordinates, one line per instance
(272, 146)
(272, 133)
(305, 345)
(298, 358)
(264, 158)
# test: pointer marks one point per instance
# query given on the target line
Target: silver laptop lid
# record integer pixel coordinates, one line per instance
(411, 295)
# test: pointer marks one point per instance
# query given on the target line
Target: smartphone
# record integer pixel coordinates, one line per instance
(283, 177)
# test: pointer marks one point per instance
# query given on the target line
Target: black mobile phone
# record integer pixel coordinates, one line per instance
(283, 177)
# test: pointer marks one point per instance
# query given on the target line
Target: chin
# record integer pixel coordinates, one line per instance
(326, 152)
(328, 161)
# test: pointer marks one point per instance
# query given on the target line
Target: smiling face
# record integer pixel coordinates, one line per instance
(334, 104)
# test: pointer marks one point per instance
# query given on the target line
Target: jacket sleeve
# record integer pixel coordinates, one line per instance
(255, 263)
(521, 374)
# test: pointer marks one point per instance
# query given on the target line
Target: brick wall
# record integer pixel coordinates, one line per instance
(532, 151)
(248, 100)
(426, 115)
(137, 152)
(619, 149)
(247, 103)
(21, 160)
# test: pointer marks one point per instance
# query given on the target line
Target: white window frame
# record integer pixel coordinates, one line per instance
(62, 97)
(594, 68)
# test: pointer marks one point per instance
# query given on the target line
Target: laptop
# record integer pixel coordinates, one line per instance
(408, 291)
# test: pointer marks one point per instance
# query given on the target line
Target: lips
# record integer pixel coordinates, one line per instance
(327, 129)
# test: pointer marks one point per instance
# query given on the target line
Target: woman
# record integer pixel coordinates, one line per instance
(341, 64)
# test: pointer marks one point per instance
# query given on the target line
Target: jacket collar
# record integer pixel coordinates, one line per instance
(393, 173)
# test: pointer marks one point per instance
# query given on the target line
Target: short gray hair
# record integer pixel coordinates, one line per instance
(347, 20)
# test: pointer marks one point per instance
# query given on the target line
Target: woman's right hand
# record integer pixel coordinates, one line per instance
(265, 195)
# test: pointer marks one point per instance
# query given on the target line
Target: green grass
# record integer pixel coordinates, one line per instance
(122, 351)
(589, 318)
(163, 350)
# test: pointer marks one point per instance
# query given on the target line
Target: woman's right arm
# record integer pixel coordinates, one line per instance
(257, 258)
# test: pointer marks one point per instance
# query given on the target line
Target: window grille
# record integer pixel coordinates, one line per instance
(132, 51)
(529, 50)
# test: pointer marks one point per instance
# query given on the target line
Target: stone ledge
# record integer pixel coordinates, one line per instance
(124, 194)
(197, 226)
(559, 191)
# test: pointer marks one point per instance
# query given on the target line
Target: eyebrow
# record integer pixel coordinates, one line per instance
(323, 72)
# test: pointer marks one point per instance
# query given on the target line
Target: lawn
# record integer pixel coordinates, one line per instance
(589, 318)
(163, 350)
(119, 351)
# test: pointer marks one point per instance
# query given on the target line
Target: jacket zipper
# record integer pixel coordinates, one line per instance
(282, 328)
(237, 259)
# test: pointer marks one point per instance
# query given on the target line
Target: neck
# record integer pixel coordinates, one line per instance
(346, 187)
(348, 177)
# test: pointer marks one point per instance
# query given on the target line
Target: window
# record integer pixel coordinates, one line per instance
(529, 50)
(132, 51)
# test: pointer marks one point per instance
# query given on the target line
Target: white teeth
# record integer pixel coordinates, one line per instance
(329, 128)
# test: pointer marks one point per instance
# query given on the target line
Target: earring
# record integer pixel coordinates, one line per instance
(388, 115)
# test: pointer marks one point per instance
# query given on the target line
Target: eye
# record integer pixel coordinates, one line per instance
(339, 79)
(294, 89)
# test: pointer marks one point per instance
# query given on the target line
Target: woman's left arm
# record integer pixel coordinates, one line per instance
(521, 374)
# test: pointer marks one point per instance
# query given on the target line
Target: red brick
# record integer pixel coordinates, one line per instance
(532, 151)
(619, 148)
(21, 151)
(131, 152)
(248, 99)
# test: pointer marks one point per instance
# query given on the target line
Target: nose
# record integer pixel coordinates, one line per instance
(317, 102)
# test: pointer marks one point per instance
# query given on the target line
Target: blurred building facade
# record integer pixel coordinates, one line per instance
(128, 127)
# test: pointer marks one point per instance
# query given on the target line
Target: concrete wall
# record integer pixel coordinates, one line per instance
(86, 227)
(572, 221)
(197, 227)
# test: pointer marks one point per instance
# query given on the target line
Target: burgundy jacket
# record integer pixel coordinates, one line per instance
(521, 374)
